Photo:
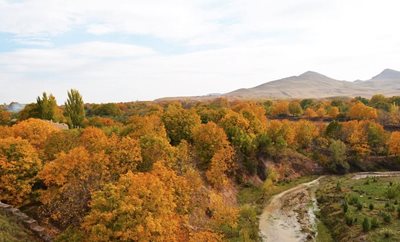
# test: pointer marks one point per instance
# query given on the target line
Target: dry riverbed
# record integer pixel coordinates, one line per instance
(289, 216)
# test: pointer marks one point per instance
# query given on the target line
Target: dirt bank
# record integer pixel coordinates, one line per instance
(289, 215)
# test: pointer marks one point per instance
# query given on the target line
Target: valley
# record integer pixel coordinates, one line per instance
(356, 207)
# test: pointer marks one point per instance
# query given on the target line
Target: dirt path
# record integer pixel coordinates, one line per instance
(362, 175)
(289, 216)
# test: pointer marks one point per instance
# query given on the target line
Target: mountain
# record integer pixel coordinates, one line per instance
(15, 107)
(315, 85)
(386, 82)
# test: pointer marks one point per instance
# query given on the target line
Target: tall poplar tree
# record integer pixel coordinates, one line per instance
(74, 109)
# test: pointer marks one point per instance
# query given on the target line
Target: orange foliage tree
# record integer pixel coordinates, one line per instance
(36, 131)
(179, 123)
(394, 143)
(19, 164)
(360, 111)
(70, 179)
(208, 140)
(280, 108)
(140, 207)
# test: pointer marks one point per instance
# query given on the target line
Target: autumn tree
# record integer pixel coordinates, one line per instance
(93, 139)
(394, 143)
(310, 113)
(70, 179)
(205, 236)
(223, 213)
(140, 207)
(306, 131)
(238, 131)
(281, 133)
(125, 155)
(255, 115)
(280, 108)
(359, 111)
(321, 112)
(74, 109)
(62, 141)
(208, 140)
(295, 109)
(219, 166)
(154, 148)
(36, 131)
(5, 117)
(19, 164)
(138, 126)
(179, 123)
(333, 112)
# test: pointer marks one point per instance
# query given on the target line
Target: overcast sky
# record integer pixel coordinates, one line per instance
(141, 50)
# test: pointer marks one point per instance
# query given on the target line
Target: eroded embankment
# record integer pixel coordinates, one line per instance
(289, 216)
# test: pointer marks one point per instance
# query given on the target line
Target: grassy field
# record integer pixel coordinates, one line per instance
(361, 210)
(10, 231)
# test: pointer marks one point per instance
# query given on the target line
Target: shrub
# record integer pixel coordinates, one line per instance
(374, 223)
(349, 220)
(345, 206)
(359, 206)
(366, 225)
(387, 217)
(371, 206)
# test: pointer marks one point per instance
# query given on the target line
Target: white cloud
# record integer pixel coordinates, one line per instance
(253, 42)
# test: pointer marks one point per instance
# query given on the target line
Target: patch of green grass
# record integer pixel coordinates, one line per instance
(366, 199)
(323, 233)
(10, 231)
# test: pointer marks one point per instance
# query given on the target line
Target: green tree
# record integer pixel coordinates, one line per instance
(295, 109)
(179, 123)
(47, 107)
(74, 109)
(338, 156)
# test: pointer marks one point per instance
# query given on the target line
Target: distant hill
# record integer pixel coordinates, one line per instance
(315, 85)
(15, 107)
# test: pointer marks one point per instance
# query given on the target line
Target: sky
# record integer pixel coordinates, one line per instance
(128, 50)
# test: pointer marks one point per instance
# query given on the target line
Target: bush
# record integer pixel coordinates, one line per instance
(349, 220)
(345, 206)
(374, 223)
(366, 225)
(387, 217)
(371, 206)
(359, 206)
(398, 212)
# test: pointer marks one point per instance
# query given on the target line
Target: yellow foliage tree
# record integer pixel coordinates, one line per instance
(360, 111)
(280, 108)
(394, 143)
(19, 164)
(70, 179)
(125, 155)
(205, 236)
(36, 131)
(140, 207)
(333, 112)
(208, 139)
(179, 123)
(220, 164)
(310, 113)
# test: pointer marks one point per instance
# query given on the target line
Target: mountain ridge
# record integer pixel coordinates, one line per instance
(311, 84)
